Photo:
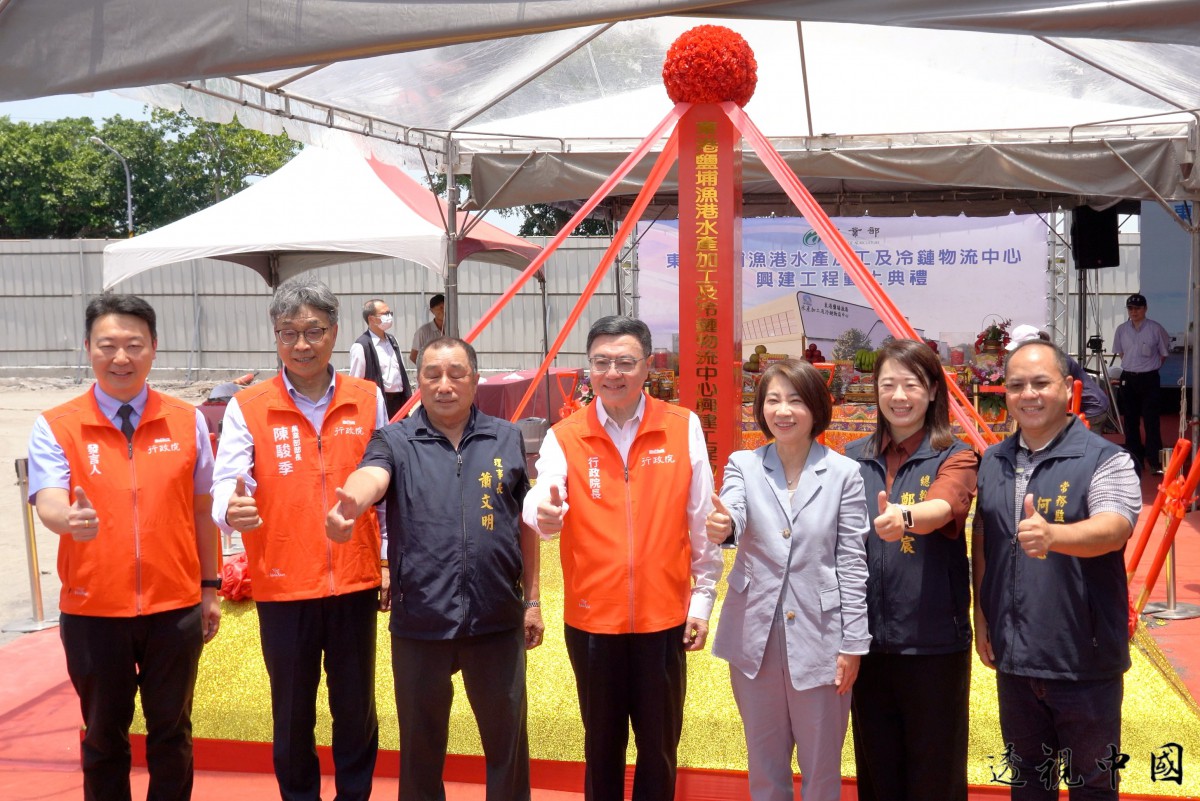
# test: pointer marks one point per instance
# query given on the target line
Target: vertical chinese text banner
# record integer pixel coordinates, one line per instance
(710, 281)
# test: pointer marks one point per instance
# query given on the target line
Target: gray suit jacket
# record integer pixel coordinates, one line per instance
(809, 559)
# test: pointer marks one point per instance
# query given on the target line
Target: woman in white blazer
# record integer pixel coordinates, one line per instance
(794, 621)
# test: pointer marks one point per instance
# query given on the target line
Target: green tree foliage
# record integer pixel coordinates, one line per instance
(849, 343)
(55, 183)
(542, 219)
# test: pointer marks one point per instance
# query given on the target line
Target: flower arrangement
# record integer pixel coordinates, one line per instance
(710, 64)
(989, 373)
(996, 331)
(582, 396)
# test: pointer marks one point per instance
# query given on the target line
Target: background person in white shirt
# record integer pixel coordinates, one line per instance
(1143, 345)
(375, 356)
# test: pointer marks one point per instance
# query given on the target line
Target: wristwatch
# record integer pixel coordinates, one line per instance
(532, 604)
(210, 584)
(906, 516)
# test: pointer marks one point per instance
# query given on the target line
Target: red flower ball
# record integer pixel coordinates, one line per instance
(710, 64)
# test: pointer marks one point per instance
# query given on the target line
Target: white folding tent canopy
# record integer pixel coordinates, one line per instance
(320, 208)
(884, 106)
(976, 105)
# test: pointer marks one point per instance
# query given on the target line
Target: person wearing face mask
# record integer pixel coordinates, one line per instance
(375, 356)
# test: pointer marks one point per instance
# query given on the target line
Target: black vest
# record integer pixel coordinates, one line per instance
(918, 592)
(454, 544)
(373, 371)
(1062, 617)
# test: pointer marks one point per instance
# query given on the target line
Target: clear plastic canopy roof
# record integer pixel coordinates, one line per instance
(1058, 98)
(580, 98)
(591, 86)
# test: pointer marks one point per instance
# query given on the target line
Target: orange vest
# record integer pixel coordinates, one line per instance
(297, 471)
(144, 558)
(626, 550)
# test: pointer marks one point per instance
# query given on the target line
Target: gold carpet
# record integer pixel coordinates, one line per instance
(233, 703)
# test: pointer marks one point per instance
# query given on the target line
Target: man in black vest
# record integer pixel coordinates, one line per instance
(1056, 504)
(375, 356)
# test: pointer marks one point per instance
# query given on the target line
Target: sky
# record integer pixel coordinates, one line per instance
(98, 106)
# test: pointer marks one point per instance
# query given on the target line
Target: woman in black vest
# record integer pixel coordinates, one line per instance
(912, 698)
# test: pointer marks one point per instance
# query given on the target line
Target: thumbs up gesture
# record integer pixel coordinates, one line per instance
(242, 512)
(718, 525)
(339, 522)
(82, 519)
(551, 511)
(1034, 534)
(889, 525)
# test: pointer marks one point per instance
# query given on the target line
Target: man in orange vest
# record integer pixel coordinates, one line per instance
(122, 473)
(627, 482)
(286, 446)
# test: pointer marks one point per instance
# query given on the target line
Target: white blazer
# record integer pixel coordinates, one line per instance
(808, 558)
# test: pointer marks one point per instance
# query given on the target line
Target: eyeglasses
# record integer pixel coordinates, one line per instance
(1036, 387)
(624, 365)
(290, 336)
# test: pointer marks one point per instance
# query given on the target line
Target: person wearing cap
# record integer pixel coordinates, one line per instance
(1143, 345)
(434, 329)
(1093, 403)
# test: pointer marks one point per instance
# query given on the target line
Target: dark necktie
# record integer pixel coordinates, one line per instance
(125, 413)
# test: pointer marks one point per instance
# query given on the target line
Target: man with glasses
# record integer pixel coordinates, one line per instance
(626, 481)
(375, 356)
(1143, 345)
(1056, 504)
(464, 572)
(286, 446)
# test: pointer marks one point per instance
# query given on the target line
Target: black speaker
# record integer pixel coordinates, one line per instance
(1094, 238)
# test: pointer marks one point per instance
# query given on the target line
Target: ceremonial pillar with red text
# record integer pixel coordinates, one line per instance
(710, 278)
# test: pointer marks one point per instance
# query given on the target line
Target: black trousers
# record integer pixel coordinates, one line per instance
(393, 401)
(910, 726)
(1140, 403)
(295, 635)
(624, 680)
(493, 668)
(109, 660)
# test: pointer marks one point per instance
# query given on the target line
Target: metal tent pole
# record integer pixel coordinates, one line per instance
(450, 325)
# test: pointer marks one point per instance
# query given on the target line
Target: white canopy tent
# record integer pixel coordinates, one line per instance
(884, 106)
(320, 208)
(57, 46)
(882, 119)
(892, 106)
